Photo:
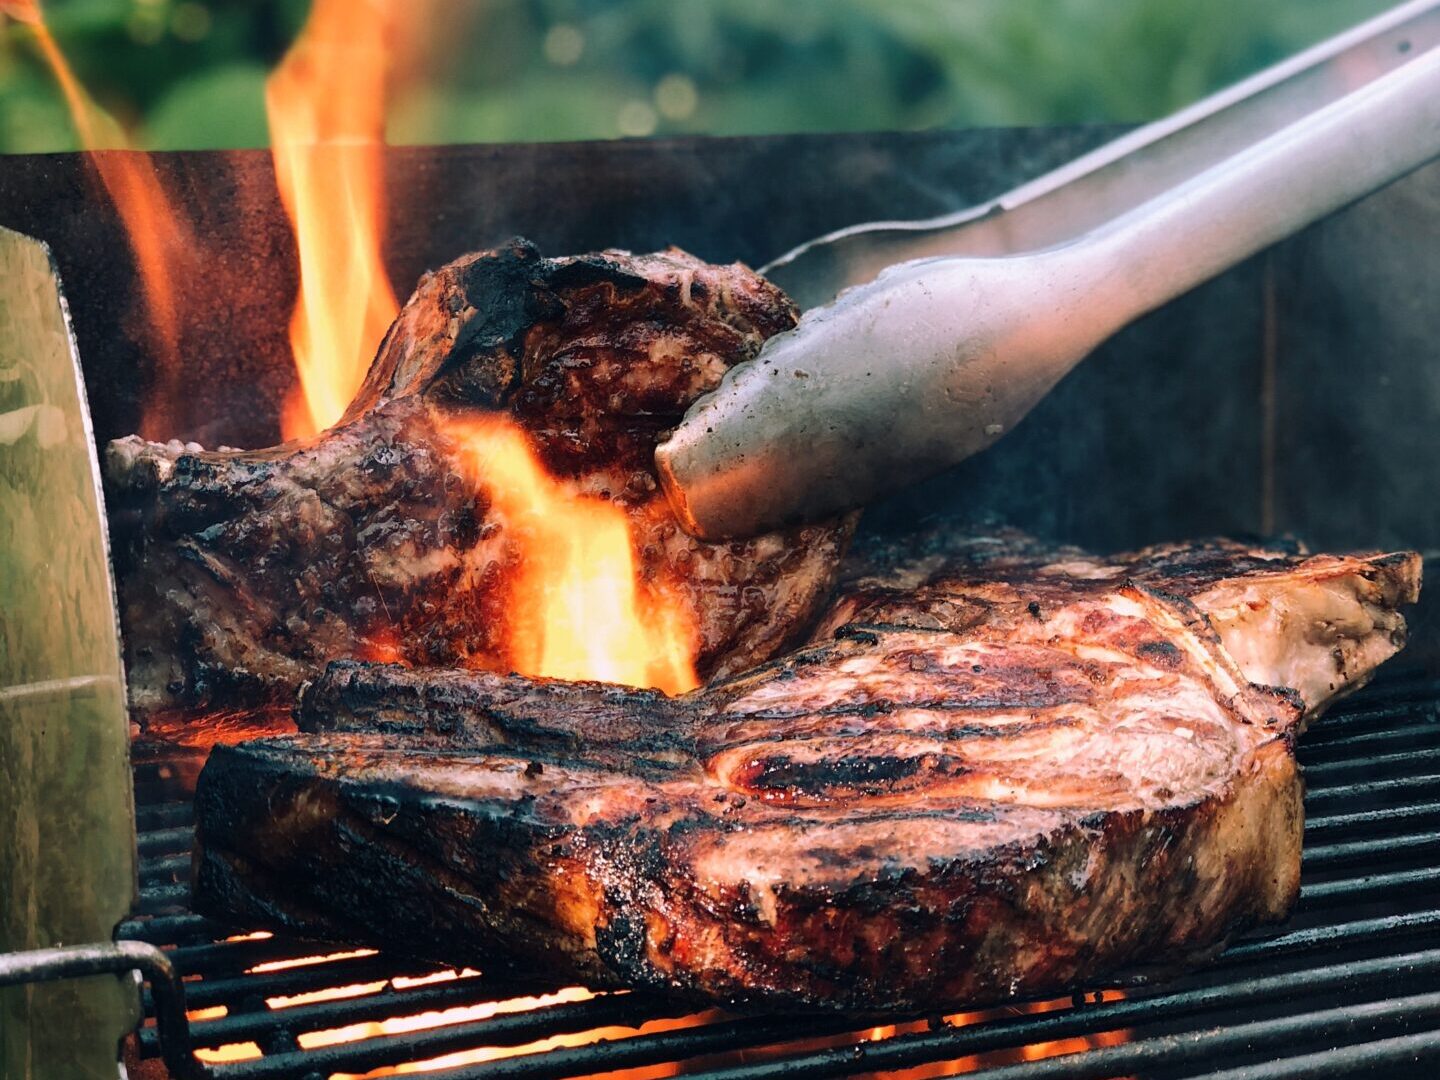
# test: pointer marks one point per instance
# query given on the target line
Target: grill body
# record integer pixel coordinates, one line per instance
(1294, 394)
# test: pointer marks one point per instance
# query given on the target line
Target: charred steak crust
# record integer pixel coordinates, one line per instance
(1319, 624)
(242, 573)
(1041, 797)
(1004, 904)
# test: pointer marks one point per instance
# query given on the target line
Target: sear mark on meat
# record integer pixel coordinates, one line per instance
(1319, 624)
(957, 802)
(242, 573)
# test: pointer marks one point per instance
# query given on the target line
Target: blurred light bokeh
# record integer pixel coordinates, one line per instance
(184, 74)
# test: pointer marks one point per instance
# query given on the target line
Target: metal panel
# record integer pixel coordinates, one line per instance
(1358, 353)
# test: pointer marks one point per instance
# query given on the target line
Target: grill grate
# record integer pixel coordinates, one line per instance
(1349, 987)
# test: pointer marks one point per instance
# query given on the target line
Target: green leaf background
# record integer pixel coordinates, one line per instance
(190, 73)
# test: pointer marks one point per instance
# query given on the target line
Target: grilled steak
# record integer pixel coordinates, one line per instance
(242, 573)
(1011, 786)
(1318, 624)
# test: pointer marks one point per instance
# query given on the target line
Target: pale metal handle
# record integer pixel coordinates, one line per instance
(1123, 174)
(1313, 167)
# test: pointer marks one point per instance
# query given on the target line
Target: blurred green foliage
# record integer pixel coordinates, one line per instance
(190, 73)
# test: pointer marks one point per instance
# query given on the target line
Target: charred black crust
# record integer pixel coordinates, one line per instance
(836, 777)
(1163, 653)
(585, 271)
(851, 632)
(506, 291)
(552, 720)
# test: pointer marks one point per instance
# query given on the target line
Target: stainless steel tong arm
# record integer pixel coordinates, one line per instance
(1122, 174)
(938, 357)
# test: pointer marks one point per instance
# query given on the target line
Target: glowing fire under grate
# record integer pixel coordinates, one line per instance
(1349, 986)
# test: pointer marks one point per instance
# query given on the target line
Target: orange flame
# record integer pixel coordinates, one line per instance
(326, 105)
(25, 11)
(576, 606)
(1029, 1052)
(163, 246)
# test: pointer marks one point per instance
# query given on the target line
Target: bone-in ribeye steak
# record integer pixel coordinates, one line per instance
(1007, 772)
(241, 573)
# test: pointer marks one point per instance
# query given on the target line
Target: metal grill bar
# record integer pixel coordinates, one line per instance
(1399, 759)
(1413, 692)
(161, 898)
(1372, 887)
(1374, 975)
(1349, 723)
(1418, 735)
(150, 816)
(1425, 811)
(162, 841)
(232, 956)
(165, 869)
(1366, 1059)
(515, 1029)
(1355, 852)
(1349, 1022)
(1377, 931)
(1351, 978)
(171, 930)
(242, 989)
(1374, 790)
(643, 1050)
(326, 1016)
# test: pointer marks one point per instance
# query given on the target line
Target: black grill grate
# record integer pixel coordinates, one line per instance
(1349, 987)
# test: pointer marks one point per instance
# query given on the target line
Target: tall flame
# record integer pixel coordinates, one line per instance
(326, 105)
(163, 246)
(576, 608)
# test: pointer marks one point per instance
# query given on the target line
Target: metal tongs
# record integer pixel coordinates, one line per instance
(949, 330)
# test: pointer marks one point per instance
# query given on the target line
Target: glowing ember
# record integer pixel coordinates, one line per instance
(306, 961)
(246, 1051)
(408, 982)
(230, 1052)
(481, 1011)
(163, 246)
(25, 11)
(976, 1062)
(1056, 1047)
(383, 647)
(461, 1014)
(493, 1053)
(576, 606)
(327, 126)
(329, 993)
